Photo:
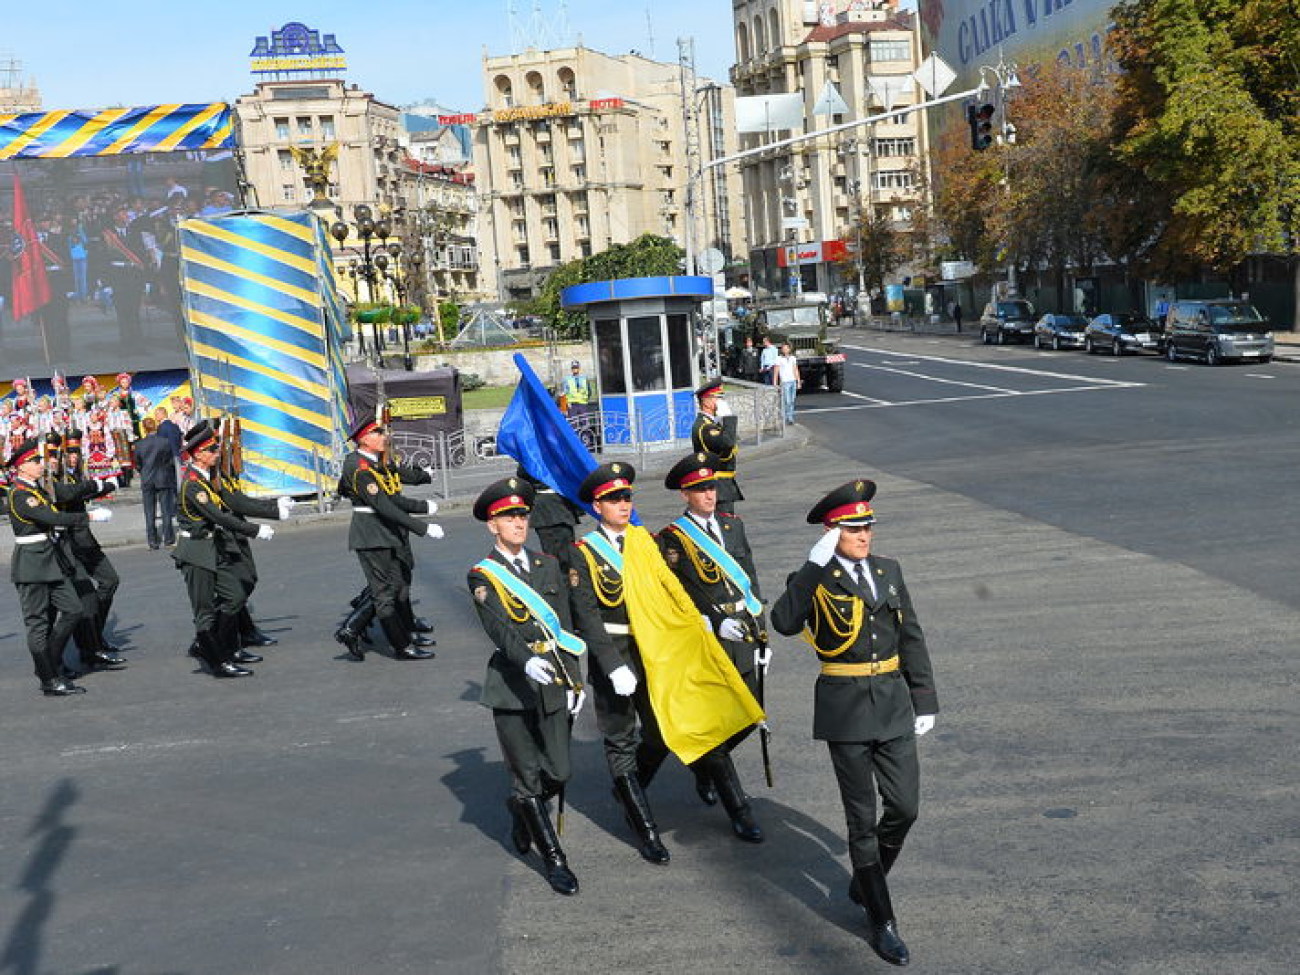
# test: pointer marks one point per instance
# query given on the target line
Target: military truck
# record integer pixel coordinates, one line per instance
(801, 321)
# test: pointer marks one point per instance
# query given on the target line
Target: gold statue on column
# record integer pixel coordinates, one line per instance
(315, 164)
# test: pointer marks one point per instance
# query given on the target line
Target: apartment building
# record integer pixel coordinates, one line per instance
(579, 150)
(802, 203)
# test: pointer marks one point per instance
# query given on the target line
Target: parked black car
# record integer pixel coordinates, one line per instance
(1059, 331)
(1008, 320)
(1216, 330)
(1120, 333)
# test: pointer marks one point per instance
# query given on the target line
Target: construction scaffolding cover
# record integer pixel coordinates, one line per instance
(485, 328)
(112, 131)
(265, 331)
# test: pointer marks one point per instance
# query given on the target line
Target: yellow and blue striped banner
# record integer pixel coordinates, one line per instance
(112, 131)
(265, 329)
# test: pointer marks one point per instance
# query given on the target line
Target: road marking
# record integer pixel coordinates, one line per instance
(1259, 375)
(967, 399)
(931, 379)
(869, 399)
(997, 367)
(135, 746)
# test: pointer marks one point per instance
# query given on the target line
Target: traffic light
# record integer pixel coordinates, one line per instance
(980, 118)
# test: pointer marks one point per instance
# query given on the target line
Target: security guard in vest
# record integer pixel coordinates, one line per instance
(527, 604)
(874, 697)
(381, 524)
(710, 554)
(42, 569)
(715, 432)
(579, 392)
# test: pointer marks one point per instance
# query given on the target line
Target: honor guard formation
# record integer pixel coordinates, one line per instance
(666, 633)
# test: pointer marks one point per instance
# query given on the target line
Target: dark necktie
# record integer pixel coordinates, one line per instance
(708, 530)
(861, 576)
(619, 540)
(521, 569)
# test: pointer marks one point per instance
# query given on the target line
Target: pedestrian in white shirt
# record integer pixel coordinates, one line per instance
(785, 375)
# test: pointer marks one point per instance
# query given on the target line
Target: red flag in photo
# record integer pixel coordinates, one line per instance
(31, 286)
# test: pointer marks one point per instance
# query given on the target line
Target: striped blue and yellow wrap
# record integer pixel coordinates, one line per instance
(265, 329)
(113, 131)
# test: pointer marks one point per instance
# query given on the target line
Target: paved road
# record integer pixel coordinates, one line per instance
(1110, 787)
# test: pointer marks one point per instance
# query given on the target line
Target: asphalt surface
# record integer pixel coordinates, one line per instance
(1110, 786)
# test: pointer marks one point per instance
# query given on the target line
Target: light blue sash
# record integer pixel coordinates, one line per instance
(535, 604)
(714, 550)
(605, 549)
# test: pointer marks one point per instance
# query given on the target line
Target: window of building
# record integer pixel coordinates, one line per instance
(517, 181)
(282, 128)
(521, 255)
(551, 226)
(898, 179)
(548, 175)
(882, 50)
(585, 248)
(582, 226)
(578, 149)
(547, 203)
(514, 156)
(580, 173)
(520, 232)
(327, 127)
(286, 160)
(554, 251)
(666, 172)
(306, 130)
(289, 193)
(668, 197)
(546, 154)
(903, 146)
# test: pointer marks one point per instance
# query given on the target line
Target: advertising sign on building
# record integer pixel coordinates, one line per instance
(296, 50)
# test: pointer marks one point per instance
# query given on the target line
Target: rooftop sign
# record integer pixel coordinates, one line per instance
(296, 50)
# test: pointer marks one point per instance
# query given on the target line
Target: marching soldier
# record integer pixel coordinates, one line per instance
(553, 517)
(382, 523)
(710, 554)
(715, 432)
(533, 683)
(96, 581)
(42, 570)
(209, 555)
(874, 697)
(623, 710)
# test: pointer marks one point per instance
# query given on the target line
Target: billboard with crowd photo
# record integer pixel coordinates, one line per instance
(90, 204)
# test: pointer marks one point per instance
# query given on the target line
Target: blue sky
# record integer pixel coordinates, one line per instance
(89, 54)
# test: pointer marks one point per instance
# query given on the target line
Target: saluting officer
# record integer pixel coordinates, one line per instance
(875, 694)
(710, 554)
(623, 711)
(381, 525)
(534, 678)
(209, 556)
(715, 432)
(42, 570)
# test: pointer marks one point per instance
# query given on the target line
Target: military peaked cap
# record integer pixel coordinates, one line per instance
(848, 504)
(693, 471)
(511, 495)
(605, 480)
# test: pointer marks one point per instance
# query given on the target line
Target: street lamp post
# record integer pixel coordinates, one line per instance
(373, 257)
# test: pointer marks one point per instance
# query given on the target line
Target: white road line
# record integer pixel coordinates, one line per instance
(994, 366)
(878, 402)
(968, 399)
(930, 379)
(1259, 375)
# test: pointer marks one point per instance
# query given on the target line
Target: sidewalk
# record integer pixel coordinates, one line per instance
(127, 526)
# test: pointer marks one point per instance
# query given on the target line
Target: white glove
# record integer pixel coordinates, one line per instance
(286, 504)
(575, 701)
(99, 514)
(924, 722)
(722, 408)
(265, 533)
(821, 552)
(624, 681)
(434, 531)
(540, 670)
(432, 507)
(430, 470)
(731, 629)
(107, 482)
(762, 657)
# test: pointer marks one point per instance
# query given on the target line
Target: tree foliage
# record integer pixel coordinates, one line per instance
(647, 256)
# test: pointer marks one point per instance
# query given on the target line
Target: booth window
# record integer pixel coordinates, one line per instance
(645, 345)
(609, 342)
(679, 351)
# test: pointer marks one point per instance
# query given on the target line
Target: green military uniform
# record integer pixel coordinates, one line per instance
(244, 507)
(876, 678)
(719, 436)
(553, 517)
(42, 572)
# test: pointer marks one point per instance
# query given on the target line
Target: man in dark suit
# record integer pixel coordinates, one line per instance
(874, 697)
(168, 429)
(156, 463)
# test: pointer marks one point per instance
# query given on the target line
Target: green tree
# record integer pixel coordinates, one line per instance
(1208, 119)
(880, 248)
(647, 256)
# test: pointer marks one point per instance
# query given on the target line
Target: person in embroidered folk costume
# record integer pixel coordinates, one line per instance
(715, 432)
(42, 569)
(209, 555)
(382, 524)
(527, 604)
(875, 695)
(709, 552)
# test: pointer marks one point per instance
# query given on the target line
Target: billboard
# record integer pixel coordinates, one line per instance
(90, 281)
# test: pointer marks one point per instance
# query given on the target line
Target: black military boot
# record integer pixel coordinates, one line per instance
(420, 625)
(519, 834)
(362, 597)
(354, 627)
(225, 645)
(733, 797)
(704, 785)
(417, 628)
(400, 640)
(52, 685)
(90, 645)
(636, 809)
(250, 635)
(871, 891)
(558, 874)
(888, 854)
